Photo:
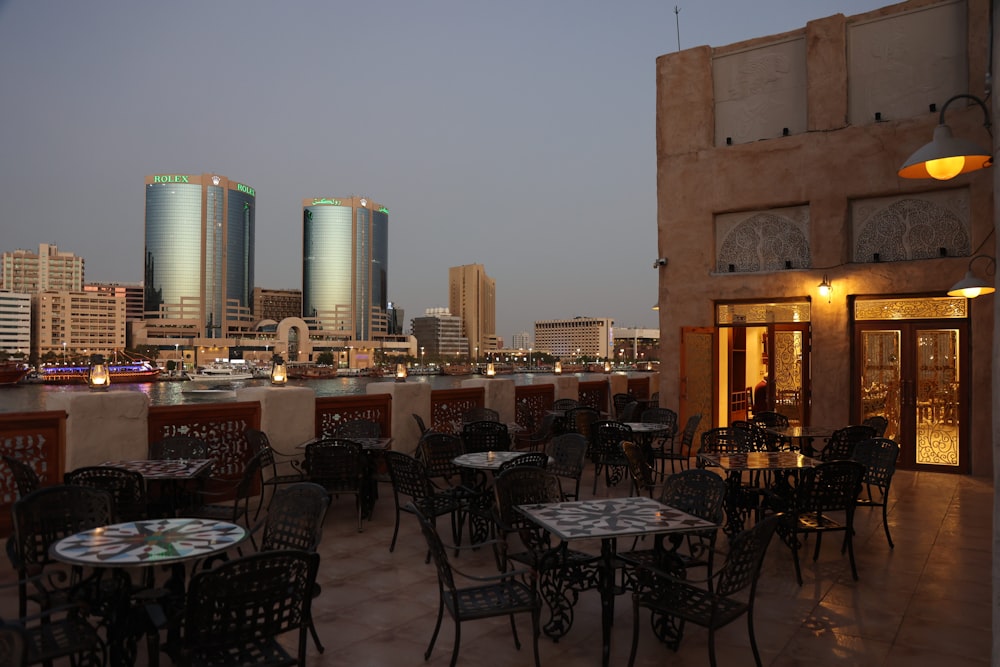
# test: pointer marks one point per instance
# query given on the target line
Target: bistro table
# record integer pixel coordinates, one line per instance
(167, 541)
(172, 474)
(372, 450)
(740, 499)
(608, 519)
(490, 461)
(804, 435)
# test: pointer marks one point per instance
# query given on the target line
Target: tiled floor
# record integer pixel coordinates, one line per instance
(926, 602)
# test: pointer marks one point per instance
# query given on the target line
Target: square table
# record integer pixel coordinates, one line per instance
(738, 497)
(804, 435)
(171, 473)
(608, 519)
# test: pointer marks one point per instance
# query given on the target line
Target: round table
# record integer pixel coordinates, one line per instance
(484, 460)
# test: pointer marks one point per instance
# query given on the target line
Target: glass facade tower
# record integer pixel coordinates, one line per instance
(345, 262)
(199, 249)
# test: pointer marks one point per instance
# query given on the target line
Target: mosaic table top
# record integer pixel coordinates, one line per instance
(760, 461)
(166, 469)
(610, 517)
(483, 461)
(150, 542)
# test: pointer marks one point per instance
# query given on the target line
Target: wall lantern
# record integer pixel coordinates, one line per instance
(826, 289)
(98, 377)
(970, 286)
(279, 371)
(946, 157)
(400, 373)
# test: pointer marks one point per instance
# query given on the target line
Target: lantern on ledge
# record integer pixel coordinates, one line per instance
(400, 373)
(279, 371)
(98, 377)
(607, 367)
(557, 369)
(491, 370)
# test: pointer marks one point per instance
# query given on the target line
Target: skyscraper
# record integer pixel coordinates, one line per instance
(472, 297)
(345, 263)
(199, 251)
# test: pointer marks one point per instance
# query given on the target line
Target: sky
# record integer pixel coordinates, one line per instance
(519, 134)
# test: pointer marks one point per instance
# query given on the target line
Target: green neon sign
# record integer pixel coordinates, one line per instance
(384, 210)
(175, 178)
(247, 189)
(332, 202)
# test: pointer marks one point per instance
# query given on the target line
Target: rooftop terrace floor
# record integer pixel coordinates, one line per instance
(924, 603)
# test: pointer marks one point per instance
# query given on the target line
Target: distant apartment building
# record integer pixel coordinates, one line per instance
(439, 335)
(276, 304)
(75, 324)
(521, 341)
(472, 297)
(131, 292)
(579, 336)
(30, 272)
(15, 322)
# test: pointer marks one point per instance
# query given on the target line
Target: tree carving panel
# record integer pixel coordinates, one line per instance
(894, 229)
(763, 241)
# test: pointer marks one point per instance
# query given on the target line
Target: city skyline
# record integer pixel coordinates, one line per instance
(520, 137)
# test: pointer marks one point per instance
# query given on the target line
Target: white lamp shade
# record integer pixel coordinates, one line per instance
(945, 157)
(970, 287)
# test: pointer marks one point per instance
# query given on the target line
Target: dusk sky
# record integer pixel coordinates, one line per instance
(516, 134)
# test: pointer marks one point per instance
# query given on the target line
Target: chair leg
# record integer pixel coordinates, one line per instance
(795, 559)
(850, 549)
(885, 522)
(458, 641)
(315, 636)
(395, 530)
(535, 631)
(635, 630)
(437, 628)
(753, 637)
(513, 629)
(711, 646)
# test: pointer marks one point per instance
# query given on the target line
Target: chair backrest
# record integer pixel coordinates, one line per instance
(581, 420)
(771, 419)
(480, 415)
(746, 553)
(618, 403)
(565, 404)
(420, 423)
(485, 436)
(359, 428)
(877, 422)
(696, 491)
(536, 459)
(437, 451)
(725, 440)
(334, 461)
(607, 439)
(523, 486)
(690, 428)
(664, 416)
(295, 517)
(841, 444)
(758, 441)
(639, 466)
(178, 447)
(127, 488)
(630, 412)
(829, 487)
(408, 476)
(878, 456)
(49, 514)
(569, 457)
(25, 478)
(255, 597)
(446, 578)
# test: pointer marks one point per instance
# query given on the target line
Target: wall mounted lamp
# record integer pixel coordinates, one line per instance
(279, 371)
(98, 377)
(946, 157)
(970, 286)
(826, 289)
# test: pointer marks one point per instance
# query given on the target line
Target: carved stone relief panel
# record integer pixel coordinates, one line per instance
(759, 241)
(760, 92)
(911, 227)
(899, 65)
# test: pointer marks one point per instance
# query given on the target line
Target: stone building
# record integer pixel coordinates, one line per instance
(777, 163)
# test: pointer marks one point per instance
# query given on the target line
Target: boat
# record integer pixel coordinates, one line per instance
(132, 371)
(222, 373)
(456, 369)
(12, 372)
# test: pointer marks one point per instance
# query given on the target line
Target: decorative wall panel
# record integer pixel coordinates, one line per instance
(912, 227)
(761, 241)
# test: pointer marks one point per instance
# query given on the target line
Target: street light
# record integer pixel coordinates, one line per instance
(530, 349)
(421, 356)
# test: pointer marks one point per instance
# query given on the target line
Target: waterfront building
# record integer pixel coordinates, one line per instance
(74, 324)
(472, 297)
(579, 336)
(439, 335)
(276, 304)
(133, 293)
(636, 345)
(345, 264)
(199, 256)
(797, 254)
(29, 272)
(15, 322)
(521, 340)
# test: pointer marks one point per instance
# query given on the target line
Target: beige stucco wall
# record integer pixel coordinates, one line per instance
(825, 169)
